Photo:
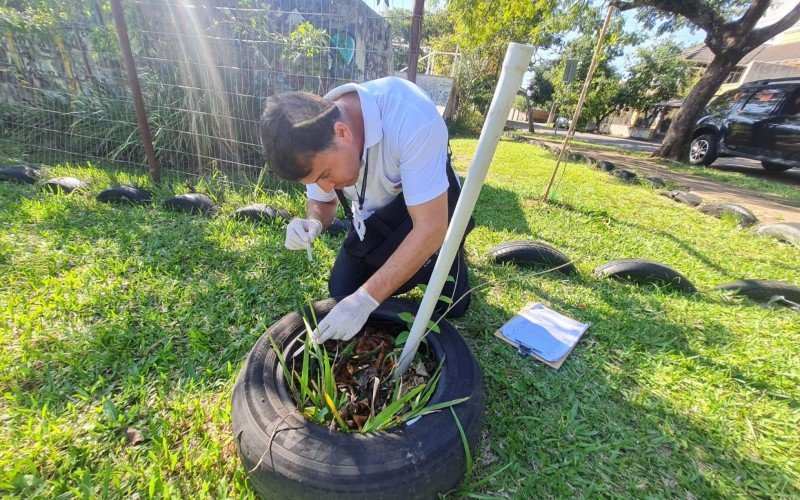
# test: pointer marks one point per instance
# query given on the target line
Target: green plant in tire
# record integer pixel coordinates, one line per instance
(432, 326)
(314, 377)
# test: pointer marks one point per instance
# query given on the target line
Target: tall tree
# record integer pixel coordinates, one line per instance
(605, 92)
(491, 24)
(483, 28)
(658, 74)
(540, 89)
(730, 27)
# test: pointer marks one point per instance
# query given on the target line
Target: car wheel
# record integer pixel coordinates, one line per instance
(703, 150)
(774, 167)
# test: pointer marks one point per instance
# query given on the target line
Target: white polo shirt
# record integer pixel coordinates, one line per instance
(406, 140)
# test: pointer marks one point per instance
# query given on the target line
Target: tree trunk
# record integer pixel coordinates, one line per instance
(679, 136)
(600, 119)
(529, 107)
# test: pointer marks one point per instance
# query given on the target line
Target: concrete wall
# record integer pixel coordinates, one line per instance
(66, 59)
(441, 90)
(37, 64)
(539, 115)
(370, 31)
(628, 131)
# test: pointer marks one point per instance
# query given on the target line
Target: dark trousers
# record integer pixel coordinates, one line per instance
(349, 273)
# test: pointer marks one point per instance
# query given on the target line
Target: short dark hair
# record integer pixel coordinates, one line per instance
(295, 126)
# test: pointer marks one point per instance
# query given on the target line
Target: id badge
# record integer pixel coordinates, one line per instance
(358, 222)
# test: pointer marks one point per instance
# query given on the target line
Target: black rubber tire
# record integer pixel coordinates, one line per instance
(193, 203)
(526, 253)
(719, 210)
(306, 460)
(782, 231)
(655, 181)
(685, 198)
(261, 212)
(625, 175)
(65, 185)
(574, 157)
(645, 272)
(703, 150)
(774, 167)
(605, 166)
(762, 290)
(22, 174)
(581, 157)
(124, 194)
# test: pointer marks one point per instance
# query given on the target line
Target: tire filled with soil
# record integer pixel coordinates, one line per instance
(288, 456)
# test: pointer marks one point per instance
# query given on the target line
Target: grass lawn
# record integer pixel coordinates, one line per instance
(132, 317)
(735, 178)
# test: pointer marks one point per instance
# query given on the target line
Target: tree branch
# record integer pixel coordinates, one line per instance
(697, 12)
(624, 5)
(761, 35)
(752, 15)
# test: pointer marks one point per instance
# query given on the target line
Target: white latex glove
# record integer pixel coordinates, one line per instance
(346, 318)
(301, 232)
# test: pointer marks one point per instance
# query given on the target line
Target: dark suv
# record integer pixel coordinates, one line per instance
(759, 120)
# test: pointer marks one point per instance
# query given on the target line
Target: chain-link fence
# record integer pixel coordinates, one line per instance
(205, 68)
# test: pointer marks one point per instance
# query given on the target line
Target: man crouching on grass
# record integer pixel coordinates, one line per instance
(380, 148)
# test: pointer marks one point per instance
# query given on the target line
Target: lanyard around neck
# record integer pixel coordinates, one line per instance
(345, 202)
(363, 193)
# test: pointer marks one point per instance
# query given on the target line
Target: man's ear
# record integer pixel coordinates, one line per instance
(342, 131)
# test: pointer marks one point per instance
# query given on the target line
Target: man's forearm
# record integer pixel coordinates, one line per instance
(321, 211)
(415, 249)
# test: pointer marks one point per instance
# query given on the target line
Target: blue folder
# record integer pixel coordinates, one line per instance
(544, 332)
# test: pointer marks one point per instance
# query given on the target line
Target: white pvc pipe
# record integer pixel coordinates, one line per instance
(516, 62)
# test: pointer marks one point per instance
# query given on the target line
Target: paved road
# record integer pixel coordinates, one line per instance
(745, 166)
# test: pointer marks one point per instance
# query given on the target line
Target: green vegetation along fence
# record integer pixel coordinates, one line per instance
(205, 68)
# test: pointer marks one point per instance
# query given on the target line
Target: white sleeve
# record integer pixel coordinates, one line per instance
(422, 164)
(314, 192)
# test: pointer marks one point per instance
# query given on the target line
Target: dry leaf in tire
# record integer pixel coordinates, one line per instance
(133, 437)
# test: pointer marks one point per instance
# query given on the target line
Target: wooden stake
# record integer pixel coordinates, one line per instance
(581, 99)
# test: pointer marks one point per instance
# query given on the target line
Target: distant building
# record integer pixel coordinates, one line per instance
(777, 58)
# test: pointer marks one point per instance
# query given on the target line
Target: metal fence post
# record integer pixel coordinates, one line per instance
(413, 49)
(136, 91)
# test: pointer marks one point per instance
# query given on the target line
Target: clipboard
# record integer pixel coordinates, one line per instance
(548, 329)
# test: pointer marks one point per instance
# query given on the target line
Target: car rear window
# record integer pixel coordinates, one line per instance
(763, 101)
(792, 107)
(726, 101)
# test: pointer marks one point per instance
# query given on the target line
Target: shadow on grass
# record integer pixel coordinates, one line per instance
(574, 430)
(602, 214)
(501, 210)
(172, 301)
(186, 307)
